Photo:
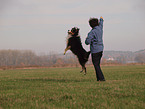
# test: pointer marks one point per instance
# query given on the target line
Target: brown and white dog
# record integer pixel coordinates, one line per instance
(74, 44)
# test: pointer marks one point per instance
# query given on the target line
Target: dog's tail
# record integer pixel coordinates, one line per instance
(87, 55)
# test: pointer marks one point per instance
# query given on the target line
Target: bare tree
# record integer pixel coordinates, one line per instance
(140, 58)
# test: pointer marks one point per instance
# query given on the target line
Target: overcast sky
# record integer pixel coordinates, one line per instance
(42, 25)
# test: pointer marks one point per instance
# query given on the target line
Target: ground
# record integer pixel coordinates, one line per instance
(61, 88)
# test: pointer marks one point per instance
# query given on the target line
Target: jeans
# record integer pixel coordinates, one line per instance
(96, 57)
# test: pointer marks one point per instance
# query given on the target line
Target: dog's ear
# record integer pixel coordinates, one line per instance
(78, 29)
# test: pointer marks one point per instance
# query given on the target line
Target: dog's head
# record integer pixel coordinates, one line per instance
(74, 31)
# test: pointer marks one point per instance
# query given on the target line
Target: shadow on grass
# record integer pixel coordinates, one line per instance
(54, 80)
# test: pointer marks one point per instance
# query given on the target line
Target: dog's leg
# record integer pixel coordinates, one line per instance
(67, 48)
(82, 67)
(83, 70)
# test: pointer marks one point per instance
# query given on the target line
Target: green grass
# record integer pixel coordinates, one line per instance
(66, 88)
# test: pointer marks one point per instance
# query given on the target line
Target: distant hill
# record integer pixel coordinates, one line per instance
(140, 52)
(120, 56)
(115, 54)
(126, 56)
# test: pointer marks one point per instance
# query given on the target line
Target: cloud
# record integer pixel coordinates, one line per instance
(65, 12)
(74, 7)
(4, 4)
(139, 5)
(33, 18)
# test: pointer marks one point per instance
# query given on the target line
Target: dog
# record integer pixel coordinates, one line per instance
(74, 44)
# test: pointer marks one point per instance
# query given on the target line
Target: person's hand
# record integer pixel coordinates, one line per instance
(101, 17)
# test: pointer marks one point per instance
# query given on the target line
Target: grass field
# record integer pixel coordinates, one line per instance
(66, 88)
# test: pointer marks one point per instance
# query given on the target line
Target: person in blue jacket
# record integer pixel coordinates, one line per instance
(95, 40)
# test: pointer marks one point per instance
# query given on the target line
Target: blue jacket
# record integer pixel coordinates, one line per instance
(95, 38)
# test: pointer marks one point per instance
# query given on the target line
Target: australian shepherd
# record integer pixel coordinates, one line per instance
(74, 44)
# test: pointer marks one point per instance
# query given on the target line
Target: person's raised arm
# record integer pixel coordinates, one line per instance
(101, 22)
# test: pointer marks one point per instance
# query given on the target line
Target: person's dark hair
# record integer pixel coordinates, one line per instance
(93, 22)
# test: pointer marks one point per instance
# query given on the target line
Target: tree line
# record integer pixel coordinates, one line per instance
(23, 58)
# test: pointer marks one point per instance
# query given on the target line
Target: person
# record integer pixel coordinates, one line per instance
(95, 40)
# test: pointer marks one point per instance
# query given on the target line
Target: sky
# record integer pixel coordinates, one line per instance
(42, 25)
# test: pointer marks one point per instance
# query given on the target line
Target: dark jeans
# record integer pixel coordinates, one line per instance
(96, 57)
